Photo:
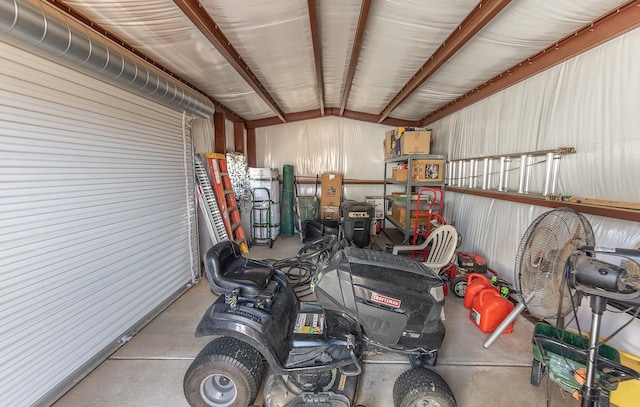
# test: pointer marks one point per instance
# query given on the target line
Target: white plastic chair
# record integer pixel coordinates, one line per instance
(443, 240)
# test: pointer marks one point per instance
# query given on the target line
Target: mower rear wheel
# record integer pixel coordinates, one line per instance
(422, 388)
(537, 371)
(458, 286)
(227, 372)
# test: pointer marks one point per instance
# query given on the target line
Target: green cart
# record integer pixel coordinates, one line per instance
(562, 356)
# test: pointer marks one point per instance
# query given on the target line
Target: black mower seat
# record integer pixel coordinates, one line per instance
(228, 270)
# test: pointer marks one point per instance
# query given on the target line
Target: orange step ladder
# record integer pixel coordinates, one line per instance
(435, 197)
(226, 199)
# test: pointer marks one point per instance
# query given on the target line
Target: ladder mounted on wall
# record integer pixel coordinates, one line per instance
(227, 203)
(208, 205)
(464, 173)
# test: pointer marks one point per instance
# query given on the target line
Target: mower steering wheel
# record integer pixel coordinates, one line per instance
(317, 247)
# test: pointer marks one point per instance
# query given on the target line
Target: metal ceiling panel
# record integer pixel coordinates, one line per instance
(338, 20)
(274, 38)
(522, 29)
(160, 30)
(400, 37)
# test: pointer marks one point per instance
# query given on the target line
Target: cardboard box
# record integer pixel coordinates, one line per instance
(329, 212)
(415, 142)
(386, 144)
(378, 205)
(412, 223)
(399, 213)
(390, 203)
(400, 174)
(427, 170)
(331, 190)
(409, 140)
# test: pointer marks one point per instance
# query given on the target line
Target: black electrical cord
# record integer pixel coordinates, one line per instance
(617, 331)
(299, 273)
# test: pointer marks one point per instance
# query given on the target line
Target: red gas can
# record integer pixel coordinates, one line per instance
(475, 283)
(489, 310)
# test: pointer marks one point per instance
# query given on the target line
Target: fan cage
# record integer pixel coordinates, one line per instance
(541, 261)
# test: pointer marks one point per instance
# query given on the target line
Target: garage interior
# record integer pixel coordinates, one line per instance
(523, 108)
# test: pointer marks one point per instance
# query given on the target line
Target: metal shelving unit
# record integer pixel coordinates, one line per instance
(410, 189)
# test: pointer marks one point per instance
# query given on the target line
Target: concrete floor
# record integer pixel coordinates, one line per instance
(148, 371)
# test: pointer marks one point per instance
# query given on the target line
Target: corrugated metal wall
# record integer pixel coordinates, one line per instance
(97, 220)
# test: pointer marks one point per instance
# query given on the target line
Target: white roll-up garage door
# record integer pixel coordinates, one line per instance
(97, 221)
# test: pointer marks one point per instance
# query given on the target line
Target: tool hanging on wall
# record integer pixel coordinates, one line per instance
(226, 199)
(208, 204)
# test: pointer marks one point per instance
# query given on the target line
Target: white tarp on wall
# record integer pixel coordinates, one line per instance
(329, 144)
(588, 102)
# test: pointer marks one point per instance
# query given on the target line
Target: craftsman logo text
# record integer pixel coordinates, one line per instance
(381, 299)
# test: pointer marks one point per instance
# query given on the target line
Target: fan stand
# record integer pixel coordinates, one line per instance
(568, 248)
(589, 391)
(503, 325)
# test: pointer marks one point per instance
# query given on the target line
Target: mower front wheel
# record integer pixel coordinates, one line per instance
(422, 387)
(458, 286)
(226, 372)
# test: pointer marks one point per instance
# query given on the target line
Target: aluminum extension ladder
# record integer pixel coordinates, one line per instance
(208, 204)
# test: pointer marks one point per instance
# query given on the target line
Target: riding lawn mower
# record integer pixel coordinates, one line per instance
(365, 300)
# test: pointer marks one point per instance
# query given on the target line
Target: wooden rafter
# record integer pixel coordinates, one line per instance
(219, 133)
(484, 12)
(317, 51)
(203, 21)
(238, 137)
(611, 25)
(355, 52)
(231, 115)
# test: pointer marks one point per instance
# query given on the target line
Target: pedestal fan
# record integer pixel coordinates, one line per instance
(555, 267)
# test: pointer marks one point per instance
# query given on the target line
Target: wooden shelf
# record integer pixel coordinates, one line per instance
(609, 212)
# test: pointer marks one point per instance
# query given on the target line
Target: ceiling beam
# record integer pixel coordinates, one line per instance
(479, 17)
(203, 21)
(231, 115)
(330, 111)
(317, 51)
(355, 52)
(611, 25)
